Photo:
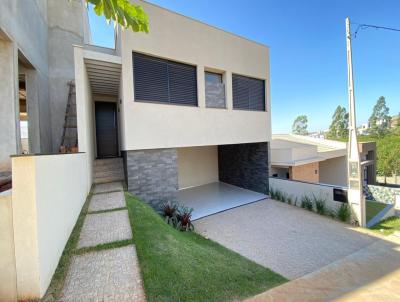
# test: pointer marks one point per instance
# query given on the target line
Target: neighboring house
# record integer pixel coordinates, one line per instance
(316, 160)
(318, 134)
(185, 105)
(36, 61)
(395, 121)
(363, 129)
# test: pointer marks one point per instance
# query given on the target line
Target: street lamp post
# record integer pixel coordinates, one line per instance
(355, 193)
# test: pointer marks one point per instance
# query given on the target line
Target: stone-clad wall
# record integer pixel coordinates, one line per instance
(152, 175)
(244, 165)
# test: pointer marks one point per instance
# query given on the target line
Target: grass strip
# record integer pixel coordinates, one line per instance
(387, 226)
(184, 266)
(373, 208)
(106, 211)
(103, 246)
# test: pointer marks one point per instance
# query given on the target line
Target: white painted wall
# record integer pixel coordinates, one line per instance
(182, 39)
(333, 171)
(197, 166)
(8, 281)
(48, 194)
(84, 112)
(299, 189)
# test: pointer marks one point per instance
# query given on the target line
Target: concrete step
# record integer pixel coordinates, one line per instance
(108, 161)
(115, 173)
(100, 180)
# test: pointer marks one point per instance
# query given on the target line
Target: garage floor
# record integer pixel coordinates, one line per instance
(216, 197)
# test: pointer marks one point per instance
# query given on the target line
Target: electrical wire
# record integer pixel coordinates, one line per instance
(365, 26)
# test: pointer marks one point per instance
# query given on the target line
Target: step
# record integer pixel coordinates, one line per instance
(117, 174)
(108, 161)
(116, 166)
(101, 180)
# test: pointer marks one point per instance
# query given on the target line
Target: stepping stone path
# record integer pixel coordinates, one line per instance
(105, 274)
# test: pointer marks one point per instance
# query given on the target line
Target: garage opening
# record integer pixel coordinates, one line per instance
(212, 179)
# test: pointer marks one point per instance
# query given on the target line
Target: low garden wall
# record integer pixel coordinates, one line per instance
(47, 196)
(296, 190)
(381, 193)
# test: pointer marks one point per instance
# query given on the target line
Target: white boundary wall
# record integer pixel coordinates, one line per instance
(47, 196)
(299, 189)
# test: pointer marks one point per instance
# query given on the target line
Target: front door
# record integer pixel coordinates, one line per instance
(106, 129)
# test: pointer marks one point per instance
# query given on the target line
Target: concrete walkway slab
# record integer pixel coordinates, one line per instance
(370, 274)
(108, 187)
(107, 275)
(291, 241)
(107, 201)
(104, 228)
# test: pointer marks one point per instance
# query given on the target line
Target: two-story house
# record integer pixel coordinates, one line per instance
(185, 105)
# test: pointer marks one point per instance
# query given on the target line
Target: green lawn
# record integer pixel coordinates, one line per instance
(184, 266)
(388, 226)
(373, 208)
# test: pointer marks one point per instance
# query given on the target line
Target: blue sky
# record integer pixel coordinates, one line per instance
(307, 51)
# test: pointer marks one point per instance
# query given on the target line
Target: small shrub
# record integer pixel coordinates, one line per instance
(272, 193)
(290, 200)
(283, 197)
(278, 195)
(343, 213)
(184, 216)
(306, 203)
(168, 210)
(319, 205)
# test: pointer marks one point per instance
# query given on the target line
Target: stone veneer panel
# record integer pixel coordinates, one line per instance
(244, 165)
(152, 175)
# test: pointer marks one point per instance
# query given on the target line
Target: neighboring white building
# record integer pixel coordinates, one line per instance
(317, 160)
(308, 159)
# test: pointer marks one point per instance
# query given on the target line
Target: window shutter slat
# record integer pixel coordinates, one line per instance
(150, 79)
(158, 80)
(248, 93)
(182, 84)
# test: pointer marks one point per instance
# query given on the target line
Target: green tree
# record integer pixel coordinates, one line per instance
(122, 12)
(379, 121)
(339, 125)
(300, 125)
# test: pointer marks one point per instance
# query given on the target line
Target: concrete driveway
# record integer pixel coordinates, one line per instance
(284, 238)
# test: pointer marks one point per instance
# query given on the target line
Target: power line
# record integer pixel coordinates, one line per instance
(365, 26)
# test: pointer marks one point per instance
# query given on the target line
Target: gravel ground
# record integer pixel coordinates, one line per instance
(289, 240)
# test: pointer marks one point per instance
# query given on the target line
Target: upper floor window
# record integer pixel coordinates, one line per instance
(215, 90)
(248, 93)
(164, 81)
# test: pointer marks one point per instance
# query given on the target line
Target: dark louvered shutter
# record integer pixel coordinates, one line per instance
(182, 84)
(158, 80)
(248, 93)
(150, 79)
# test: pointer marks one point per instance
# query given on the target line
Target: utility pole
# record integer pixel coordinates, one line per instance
(355, 189)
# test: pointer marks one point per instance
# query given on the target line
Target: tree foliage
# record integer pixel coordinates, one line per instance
(122, 12)
(388, 155)
(379, 121)
(339, 125)
(300, 125)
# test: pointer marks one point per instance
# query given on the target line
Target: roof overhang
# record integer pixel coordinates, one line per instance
(104, 72)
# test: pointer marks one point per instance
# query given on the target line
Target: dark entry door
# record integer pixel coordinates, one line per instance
(106, 129)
